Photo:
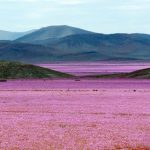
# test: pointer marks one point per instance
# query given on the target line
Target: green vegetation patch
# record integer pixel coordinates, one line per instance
(17, 70)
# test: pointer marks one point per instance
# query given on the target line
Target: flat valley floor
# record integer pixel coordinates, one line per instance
(75, 115)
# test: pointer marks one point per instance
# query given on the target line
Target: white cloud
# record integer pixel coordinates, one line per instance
(127, 7)
(71, 2)
(64, 2)
(101, 15)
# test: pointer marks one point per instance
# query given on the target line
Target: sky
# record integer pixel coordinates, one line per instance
(103, 16)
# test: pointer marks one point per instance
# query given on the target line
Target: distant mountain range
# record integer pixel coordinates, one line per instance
(51, 33)
(6, 35)
(65, 43)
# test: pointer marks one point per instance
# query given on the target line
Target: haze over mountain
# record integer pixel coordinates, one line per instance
(6, 35)
(65, 43)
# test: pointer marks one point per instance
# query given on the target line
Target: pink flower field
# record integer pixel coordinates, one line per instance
(75, 115)
(91, 68)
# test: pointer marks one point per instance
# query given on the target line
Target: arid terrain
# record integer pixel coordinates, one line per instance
(75, 115)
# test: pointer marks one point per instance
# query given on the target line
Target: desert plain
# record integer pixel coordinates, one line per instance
(102, 114)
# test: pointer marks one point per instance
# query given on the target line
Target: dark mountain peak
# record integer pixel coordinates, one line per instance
(51, 32)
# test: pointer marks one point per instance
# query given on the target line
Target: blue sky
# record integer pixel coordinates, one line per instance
(104, 16)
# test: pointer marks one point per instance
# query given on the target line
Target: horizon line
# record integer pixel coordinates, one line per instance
(5, 30)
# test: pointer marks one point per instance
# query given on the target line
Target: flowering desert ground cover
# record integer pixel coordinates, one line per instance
(102, 114)
(93, 68)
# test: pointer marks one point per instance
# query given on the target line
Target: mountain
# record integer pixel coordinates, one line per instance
(50, 34)
(103, 47)
(65, 43)
(16, 70)
(13, 51)
(139, 74)
(81, 47)
(6, 35)
(143, 36)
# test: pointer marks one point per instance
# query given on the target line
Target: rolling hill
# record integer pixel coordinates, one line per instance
(16, 70)
(139, 74)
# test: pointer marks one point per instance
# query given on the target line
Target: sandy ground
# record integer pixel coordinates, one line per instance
(75, 118)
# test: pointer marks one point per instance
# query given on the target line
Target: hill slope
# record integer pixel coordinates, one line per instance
(139, 74)
(16, 70)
